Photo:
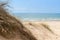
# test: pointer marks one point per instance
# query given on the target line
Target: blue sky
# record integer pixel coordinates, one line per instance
(35, 6)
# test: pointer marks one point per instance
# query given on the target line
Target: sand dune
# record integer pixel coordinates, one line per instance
(13, 29)
(44, 30)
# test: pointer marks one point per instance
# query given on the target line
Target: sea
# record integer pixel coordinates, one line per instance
(37, 16)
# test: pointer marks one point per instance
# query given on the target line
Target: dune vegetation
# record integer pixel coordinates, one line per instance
(11, 28)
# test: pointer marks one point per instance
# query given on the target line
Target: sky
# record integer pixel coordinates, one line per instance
(35, 6)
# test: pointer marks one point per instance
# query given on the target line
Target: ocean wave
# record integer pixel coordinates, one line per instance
(40, 19)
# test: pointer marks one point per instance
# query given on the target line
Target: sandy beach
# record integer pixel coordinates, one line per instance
(44, 30)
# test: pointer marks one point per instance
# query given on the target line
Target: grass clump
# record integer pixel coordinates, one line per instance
(10, 26)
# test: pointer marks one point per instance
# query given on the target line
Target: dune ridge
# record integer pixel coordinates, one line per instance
(44, 30)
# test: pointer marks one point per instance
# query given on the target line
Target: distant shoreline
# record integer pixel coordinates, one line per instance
(38, 20)
(41, 20)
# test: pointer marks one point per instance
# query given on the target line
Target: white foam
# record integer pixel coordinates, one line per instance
(38, 19)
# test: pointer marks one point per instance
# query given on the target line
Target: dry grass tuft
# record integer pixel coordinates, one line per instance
(10, 26)
(47, 27)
